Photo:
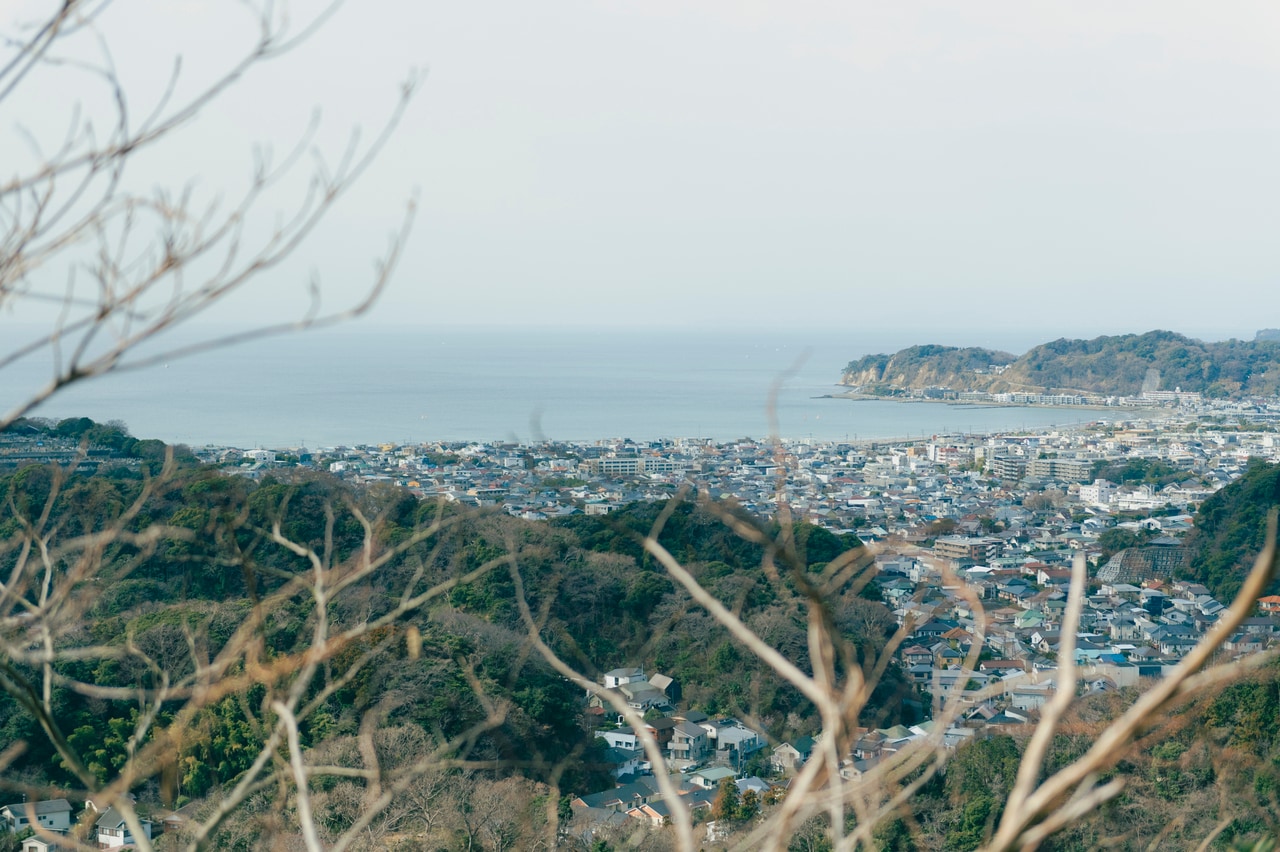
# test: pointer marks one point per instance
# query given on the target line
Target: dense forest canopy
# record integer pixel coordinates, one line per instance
(1108, 365)
(1230, 528)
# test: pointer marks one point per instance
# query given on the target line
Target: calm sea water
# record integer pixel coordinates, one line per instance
(357, 385)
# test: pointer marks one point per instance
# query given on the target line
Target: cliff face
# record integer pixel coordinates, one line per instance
(1118, 365)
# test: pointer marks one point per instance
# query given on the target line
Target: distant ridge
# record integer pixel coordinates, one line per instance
(1110, 365)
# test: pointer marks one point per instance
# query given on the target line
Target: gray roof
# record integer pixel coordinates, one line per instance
(52, 806)
(111, 818)
(690, 730)
(627, 796)
(661, 681)
(617, 756)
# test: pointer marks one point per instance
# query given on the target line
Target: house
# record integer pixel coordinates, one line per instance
(641, 695)
(1124, 628)
(39, 844)
(734, 742)
(52, 815)
(688, 742)
(658, 811)
(1008, 717)
(623, 737)
(852, 769)
(638, 693)
(662, 729)
(947, 656)
(868, 746)
(756, 785)
(958, 685)
(1053, 576)
(1245, 643)
(1177, 646)
(1031, 619)
(668, 686)
(791, 756)
(917, 655)
(697, 717)
(113, 831)
(896, 737)
(921, 673)
(1032, 695)
(621, 799)
(177, 820)
(624, 761)
(1001, 668)
(617, 677)
(981, 714)
(1264, 626)
(711, 777)
(1046, 642)
(959, 637)
(932, 630)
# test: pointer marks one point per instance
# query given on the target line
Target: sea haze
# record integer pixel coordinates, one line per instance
(358, 385)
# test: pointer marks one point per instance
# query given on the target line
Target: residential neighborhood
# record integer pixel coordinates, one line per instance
(974, 538)
(878, 488)
(981, 606)
(983, 643)
(45, 821)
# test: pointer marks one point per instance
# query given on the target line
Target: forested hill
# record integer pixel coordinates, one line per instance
(1115, 365)
(1230, 528)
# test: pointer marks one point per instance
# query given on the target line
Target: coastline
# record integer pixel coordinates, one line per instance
(855, 396)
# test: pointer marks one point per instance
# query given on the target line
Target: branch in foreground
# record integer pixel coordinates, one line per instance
(1030, 821)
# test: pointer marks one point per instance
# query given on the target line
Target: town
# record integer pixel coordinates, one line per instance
(974, 537)
(881, 489)
(957, 520)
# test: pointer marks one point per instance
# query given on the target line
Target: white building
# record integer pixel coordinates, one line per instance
(618, 677)
(113, 831)
(623, 738)
(1100, 493)
(53, 815)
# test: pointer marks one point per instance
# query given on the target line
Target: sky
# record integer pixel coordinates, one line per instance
(1072, 167)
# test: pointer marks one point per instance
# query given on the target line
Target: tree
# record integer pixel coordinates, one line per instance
(726, 805)
(114, 266)
(1116, 539)
(942, 526)
(121, 265)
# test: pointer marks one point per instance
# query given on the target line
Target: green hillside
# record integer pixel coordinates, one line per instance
(1211, 770)
(1116, 365)
(1230, 527)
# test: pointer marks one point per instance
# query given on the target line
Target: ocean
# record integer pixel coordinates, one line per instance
(359, 385)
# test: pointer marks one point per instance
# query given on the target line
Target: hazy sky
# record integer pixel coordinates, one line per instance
(1079, 167)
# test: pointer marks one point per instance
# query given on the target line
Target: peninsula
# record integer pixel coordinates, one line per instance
(1130, 365)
